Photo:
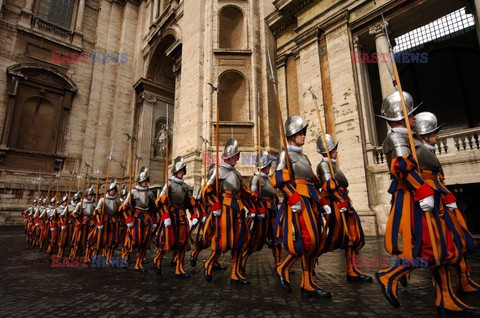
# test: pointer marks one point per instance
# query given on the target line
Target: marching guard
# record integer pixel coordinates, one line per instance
(335, 201)
(173, 204)
(140, 217)
(227, 218)
(264, 216)
(104, 237)
(64, 228)
(428, 128)
(84, 221)
(300, 210)
(413, 197)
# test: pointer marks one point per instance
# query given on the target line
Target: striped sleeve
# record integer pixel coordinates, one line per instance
(404, 168)
(281, 180)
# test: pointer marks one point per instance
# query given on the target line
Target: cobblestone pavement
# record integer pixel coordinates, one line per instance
(29, 286)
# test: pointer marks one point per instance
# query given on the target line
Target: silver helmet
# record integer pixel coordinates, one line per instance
(35, 201)
(179, 164)
(89, 191)
(231, 149)
(124, 192)
(331, 144)
(143, 175)
(64, 199)
(392, 106)
(52, 200)
(77, 196)
(44, 201)
(294, 124)
(426, 123)
(265, 160)
(112, 186)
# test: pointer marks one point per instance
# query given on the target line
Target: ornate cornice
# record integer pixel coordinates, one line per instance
(285, 14)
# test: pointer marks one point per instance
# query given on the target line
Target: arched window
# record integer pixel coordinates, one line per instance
(233, 99)
(37, 130)
(58, 12)
(232, 29)
(39, 102)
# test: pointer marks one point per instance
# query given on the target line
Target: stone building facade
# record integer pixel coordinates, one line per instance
(329, 45)
(79, 75)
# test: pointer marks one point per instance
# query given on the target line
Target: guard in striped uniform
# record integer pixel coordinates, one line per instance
(303, 234)
(84, 222)
(412, 198)
(104, 237)
(227, 218)
(140, 217)
(335, 201)
(428, 128)
(264, 216)
(175, 225)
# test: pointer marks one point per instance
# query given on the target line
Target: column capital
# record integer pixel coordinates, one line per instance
(378, 28)
(356, 42)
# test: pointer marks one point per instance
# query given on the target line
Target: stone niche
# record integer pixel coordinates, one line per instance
(39, 103)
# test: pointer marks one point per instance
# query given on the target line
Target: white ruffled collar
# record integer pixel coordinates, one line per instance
(294, 148)
(176, 180)
(400, 130)
(227, 166)
(326, 160)
(429, 147)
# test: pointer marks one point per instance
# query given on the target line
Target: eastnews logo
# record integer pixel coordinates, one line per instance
(245, 159)
(389, 261)
(85, 57)
(98, 261)
(401, 57)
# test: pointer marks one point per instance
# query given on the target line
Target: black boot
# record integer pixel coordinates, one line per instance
(388, 293)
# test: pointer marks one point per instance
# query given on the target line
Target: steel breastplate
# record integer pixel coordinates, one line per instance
(230, 180)
(177, 192)
(88, 208)
(301, 166)
(427, 159)
(111, 206)
(141, 199)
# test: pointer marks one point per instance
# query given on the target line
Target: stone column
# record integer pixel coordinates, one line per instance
(381, 44)
(80, 12)
(477, 18)
(365, 99)
(156, 6)
(26, 14)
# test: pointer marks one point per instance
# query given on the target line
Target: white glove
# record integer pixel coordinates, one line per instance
(343, 210)
(154, 225)
(100, 227)
(252, 215)
(261, 216)
(63, 227)
(194, 222)
(167, 222)
(52, 229)
(297, 207)
(452, 206)
(130, 224)
(427, 204)
(204, 219)
(42, 227)
(327, 209)
(217, 212)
